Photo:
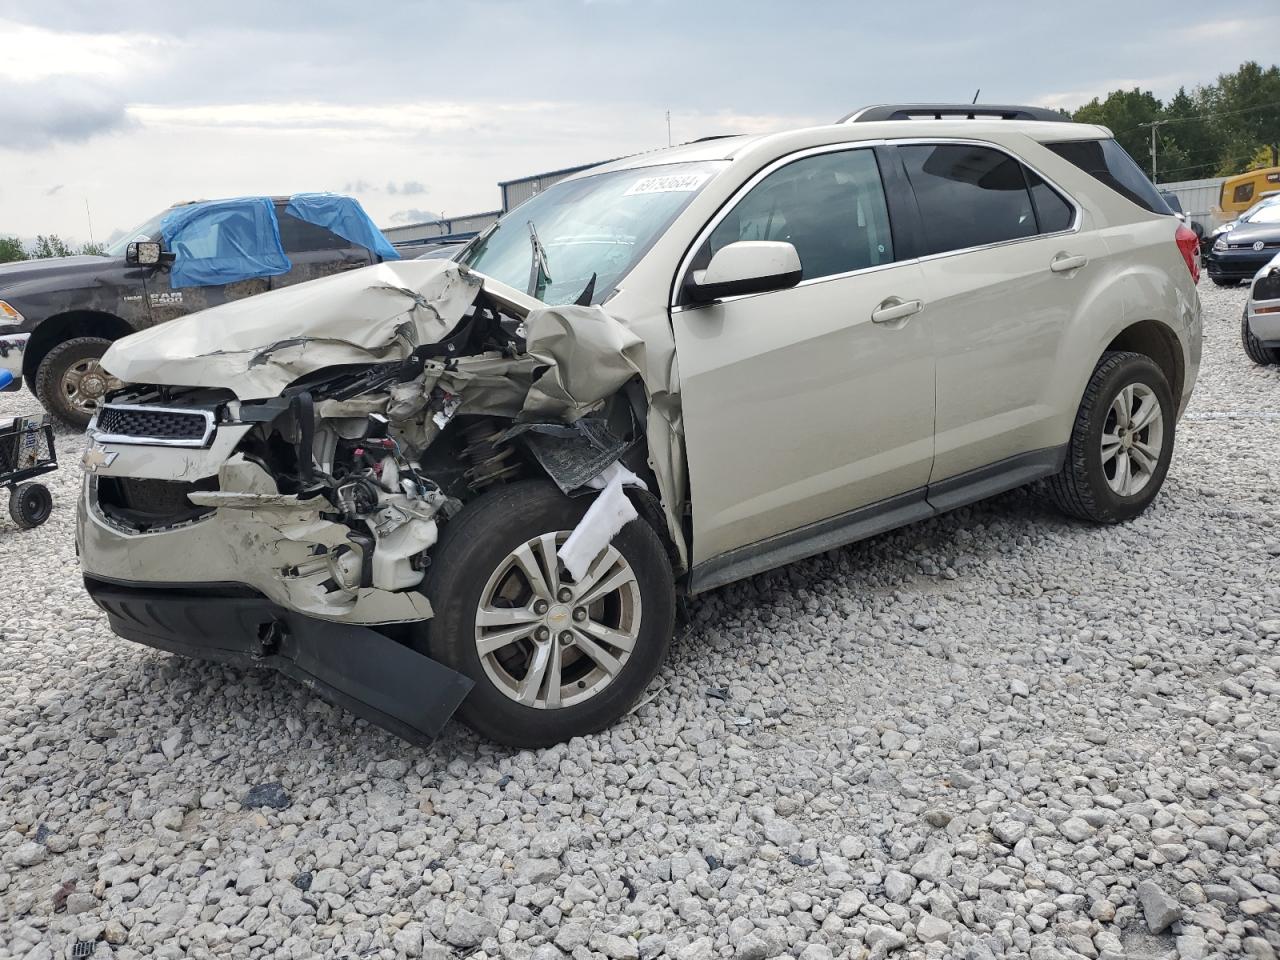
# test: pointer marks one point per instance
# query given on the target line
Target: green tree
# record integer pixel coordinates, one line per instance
(11, 249)
(50, 246)
(1248, 116)
(1188, 144)
(93, 249)
(1129, 114)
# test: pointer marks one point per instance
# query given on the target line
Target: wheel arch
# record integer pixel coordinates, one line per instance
(1156, 340)
(67, 326)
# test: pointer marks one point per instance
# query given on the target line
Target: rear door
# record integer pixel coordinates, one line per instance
(314, 251)
(1006, 269)
(797, 406)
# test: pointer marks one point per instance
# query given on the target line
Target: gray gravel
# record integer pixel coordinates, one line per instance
(998, 733)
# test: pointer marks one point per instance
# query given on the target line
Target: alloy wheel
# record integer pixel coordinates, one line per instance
(85, 383)
(548, 641)
(1132, 439)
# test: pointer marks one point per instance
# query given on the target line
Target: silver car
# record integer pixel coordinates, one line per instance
(482, 484)
(1260, 323)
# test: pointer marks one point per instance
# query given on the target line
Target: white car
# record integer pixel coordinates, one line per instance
(1260, 324)
(482, 485)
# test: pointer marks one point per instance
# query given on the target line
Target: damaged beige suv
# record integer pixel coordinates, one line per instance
(480, 485)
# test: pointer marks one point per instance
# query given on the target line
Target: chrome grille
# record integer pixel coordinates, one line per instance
(161, 426)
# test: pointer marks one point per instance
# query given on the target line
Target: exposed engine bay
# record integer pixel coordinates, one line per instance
(318, 469)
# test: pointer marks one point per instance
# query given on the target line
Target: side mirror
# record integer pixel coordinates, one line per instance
(747, 266)
(142, 253)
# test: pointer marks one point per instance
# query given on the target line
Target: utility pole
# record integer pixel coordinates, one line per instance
(668, 128)
(1154, 124)
(1154, 178)
(89, 217)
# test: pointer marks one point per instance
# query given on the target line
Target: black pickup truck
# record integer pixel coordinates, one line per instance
(59, 315)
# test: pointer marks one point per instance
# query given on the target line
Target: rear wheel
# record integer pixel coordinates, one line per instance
(70, 381)
(552, 657)
(1219, 282)
(1253, 346)
(1121, 443)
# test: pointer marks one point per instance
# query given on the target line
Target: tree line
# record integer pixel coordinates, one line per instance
(11, 249)
(1216, 130)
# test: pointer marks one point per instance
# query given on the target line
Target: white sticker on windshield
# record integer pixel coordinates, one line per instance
(669, 183)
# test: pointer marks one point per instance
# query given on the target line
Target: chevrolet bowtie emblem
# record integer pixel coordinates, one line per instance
(96, 457)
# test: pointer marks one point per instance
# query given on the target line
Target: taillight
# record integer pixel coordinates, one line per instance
(1189, 244)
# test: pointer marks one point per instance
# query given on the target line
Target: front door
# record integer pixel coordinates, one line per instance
(212, 243)
(799, 405)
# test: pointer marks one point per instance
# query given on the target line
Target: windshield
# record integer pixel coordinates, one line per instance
(1267, 213)
(147, 230)
(600, 225)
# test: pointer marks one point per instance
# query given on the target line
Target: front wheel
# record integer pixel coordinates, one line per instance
(1121, 442)
(70, 381)
(1253, 347)
(552, 658)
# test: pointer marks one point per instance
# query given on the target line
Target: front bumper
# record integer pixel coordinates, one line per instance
(1237, 264)
(269, 544)
(355, 667)
(12, 348)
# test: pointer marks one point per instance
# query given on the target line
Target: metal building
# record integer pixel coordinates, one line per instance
(516, 192)
(412, 238)
(434, 232)
(1199, 199)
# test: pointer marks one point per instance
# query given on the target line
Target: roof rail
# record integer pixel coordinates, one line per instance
(939, 111)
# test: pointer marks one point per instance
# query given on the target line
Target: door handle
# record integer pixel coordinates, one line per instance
(895, 308)
(1065, 263)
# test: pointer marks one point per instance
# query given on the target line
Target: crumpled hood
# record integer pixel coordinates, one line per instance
(259, 345)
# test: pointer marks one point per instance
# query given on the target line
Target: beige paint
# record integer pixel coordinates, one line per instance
(767, 412)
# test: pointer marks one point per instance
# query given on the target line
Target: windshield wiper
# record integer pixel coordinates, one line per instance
(539, 274)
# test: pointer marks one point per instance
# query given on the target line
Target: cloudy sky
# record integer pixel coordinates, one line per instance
(418, 106)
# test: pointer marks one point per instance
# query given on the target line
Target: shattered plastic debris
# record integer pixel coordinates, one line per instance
(607, 515)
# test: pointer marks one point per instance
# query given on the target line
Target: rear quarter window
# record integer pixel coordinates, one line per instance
(1106, 160)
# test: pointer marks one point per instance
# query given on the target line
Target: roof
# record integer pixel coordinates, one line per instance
(726, 148)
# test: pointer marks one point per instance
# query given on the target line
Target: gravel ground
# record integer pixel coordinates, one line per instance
(998, 733)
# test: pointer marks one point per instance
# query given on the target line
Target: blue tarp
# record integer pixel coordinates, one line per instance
(223, 241)
(343, 216)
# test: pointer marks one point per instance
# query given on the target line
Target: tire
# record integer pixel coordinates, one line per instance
(1219, 282)
(1086, 486)
(30, 504)
(468, 565)
(1253, 346)
(51, 386)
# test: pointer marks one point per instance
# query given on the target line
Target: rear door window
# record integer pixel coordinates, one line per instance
(968, 195)
(1053, 212)
(298, 236)
(1107, 161)
(830, 207)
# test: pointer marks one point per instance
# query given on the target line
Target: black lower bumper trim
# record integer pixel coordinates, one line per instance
(355, 667)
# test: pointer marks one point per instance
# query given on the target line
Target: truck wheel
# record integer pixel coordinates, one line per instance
(1121, 443)
(551, 658)
(1253, 346)
(30, 504)
(70, 381)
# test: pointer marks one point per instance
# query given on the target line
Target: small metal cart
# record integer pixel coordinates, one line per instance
(26, 451)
